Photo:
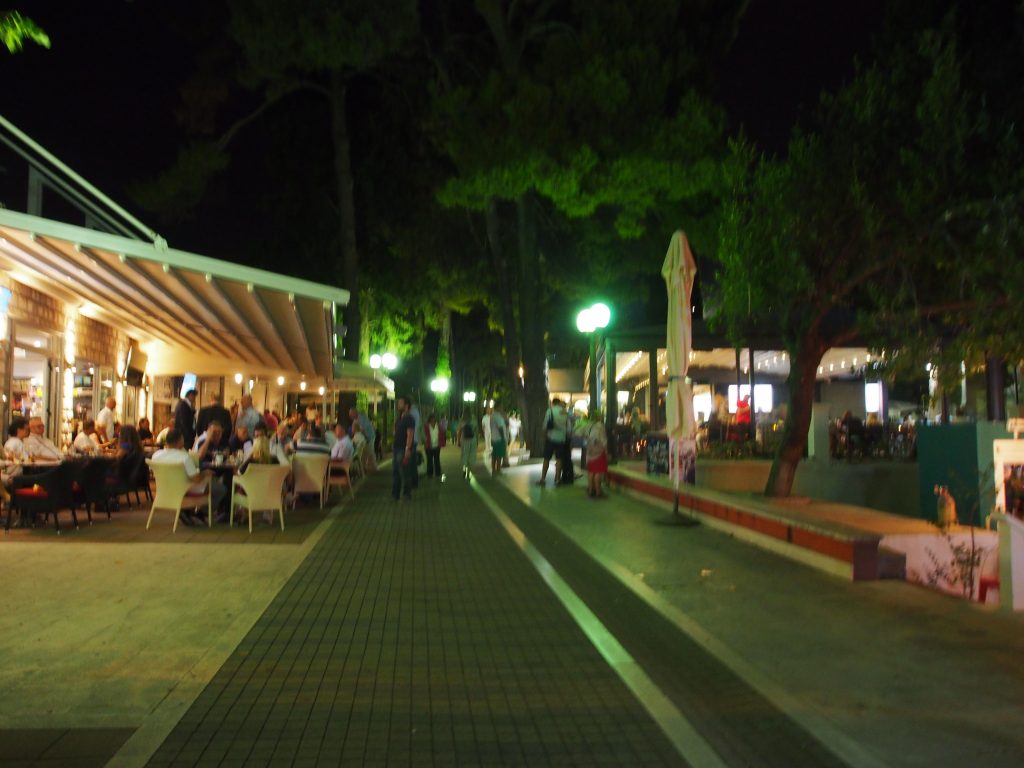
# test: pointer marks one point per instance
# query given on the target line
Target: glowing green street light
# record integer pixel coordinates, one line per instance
(589, 321)
(439, 385)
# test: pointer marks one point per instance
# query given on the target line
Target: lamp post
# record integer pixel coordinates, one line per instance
(589, 321)
(388, 361)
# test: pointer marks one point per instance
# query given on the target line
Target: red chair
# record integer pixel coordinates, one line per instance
(46, 493)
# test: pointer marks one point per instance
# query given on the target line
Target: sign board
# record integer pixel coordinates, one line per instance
(657, 454)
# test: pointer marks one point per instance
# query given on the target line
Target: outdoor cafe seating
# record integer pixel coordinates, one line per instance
(259, 489)
(174, 492)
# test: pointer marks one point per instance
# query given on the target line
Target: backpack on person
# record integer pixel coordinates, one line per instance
(467, 431)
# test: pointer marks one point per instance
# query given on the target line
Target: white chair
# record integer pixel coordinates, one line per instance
(334, 479)
(310, 473)
(174, 491)
(263, 489)
(358, 468)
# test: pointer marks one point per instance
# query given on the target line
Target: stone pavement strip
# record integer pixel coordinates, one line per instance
(415, 633)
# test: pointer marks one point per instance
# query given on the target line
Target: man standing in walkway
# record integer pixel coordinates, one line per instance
(370, 433)
(402, 459)
(185, 417)
(555, 423)
(105, 420)
(215, 411)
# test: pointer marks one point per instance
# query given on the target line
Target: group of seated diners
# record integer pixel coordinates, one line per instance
(127, 446)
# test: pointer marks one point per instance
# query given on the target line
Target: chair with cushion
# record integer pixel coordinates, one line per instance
(310, 473)
(44, 492)
(261, 487)
(90, 486)
(125, 478)
(358, 468)
(174, 491)
(341, 473)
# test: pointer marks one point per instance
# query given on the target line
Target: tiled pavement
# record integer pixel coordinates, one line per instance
(415, 633)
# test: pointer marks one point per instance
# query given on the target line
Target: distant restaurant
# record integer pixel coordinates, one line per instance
(86, 315)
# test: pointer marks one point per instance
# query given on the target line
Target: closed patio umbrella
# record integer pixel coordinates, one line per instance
(679, 271)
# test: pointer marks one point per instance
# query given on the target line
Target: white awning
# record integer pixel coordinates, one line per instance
(205, 314)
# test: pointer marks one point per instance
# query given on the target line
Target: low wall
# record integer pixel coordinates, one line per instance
(889, 486)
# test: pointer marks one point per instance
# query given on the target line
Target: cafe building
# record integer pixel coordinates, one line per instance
(86, 315)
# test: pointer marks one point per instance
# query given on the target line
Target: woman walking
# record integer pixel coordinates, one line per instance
(597, 457)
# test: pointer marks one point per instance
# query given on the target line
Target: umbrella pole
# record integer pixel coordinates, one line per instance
(677, 519)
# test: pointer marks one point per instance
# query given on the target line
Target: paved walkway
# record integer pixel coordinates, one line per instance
(416, 633)
(491, 623)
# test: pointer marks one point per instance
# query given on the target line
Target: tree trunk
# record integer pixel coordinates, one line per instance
(531, 325)
(508, 314)
(346, 215)
(803, 362)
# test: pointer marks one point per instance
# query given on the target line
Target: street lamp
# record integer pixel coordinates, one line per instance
(439, 385)
(388, 361)
(469, 397)
(589, 321)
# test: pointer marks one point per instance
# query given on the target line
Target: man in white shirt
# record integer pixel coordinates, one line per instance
(105, 421)
(248, 416)
(85, 441)
(175, 453)
(38, 445)
(343, 448)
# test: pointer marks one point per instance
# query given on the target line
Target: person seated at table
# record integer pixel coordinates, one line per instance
(86, 443)
(145, 433)
(38, 445)
(14, 448)
(129, 446)
(281, 443)
(161, 437)
(211, 442)
(175, 453)
(260, 454)
(240, 440)
(312, 441)
(343, 448)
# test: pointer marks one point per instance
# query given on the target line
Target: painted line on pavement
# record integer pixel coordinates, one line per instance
(837, 742)
(159, 723)
(684, 737)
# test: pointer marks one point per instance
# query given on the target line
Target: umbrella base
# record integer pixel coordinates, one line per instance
(678, 519)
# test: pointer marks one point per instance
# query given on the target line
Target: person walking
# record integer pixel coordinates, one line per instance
(467, 441)
(555, 425)
(499, 439)
(185, 418)
(402, 465)
(485, 424)
(417, 441)
(369, 432)
(596, 450)
(433, 442)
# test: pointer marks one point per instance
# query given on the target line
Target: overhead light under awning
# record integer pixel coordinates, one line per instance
(210, 310)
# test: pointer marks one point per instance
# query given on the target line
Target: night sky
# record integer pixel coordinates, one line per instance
(103, 98)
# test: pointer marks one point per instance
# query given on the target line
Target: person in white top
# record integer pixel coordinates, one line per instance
(15, 445)
(38, 445)
(105, 421)
(485, 422)
(343, 448)
(175, 453)
(85, 443)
